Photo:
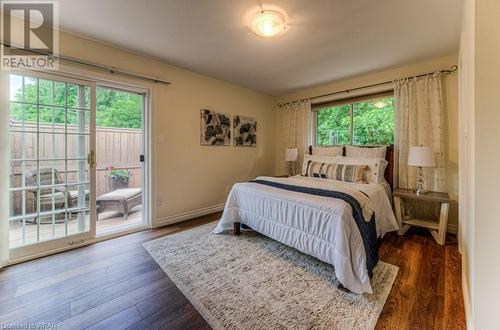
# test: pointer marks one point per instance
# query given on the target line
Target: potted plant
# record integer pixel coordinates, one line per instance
(117, 179)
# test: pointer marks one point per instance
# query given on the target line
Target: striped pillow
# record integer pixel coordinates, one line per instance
(308, 159)
(320, 170)
(351, 173)
(342, 172)
(374, 174)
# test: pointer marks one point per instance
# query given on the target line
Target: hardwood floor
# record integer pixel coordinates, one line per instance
(116, 285)
(427, 293)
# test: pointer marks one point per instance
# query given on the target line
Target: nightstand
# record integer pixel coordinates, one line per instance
(437, 228)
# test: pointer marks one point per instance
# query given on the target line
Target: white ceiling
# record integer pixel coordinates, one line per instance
(326, 40)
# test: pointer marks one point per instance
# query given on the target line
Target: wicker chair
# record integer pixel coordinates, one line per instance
(61, 194)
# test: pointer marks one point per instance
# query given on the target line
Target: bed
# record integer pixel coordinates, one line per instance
(335, 221)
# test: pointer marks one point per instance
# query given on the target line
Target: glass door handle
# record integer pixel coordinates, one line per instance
(91, 158)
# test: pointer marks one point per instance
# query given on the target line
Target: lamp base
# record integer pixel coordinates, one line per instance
(290, 168)
(420, 182)
(420, 191)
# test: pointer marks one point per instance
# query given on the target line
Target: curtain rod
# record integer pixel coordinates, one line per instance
(452, 69)
(109, 69)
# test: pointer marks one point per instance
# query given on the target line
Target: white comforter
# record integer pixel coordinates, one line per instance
(323, 227)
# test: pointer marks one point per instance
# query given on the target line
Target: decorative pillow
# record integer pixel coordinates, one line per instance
(348, 173)
(376, 167)
(351, 173)
(328, 151)
(367, 152)
(330, 170)
(316, 158)
(321, 170)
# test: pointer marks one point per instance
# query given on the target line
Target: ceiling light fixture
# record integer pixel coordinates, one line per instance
(268, 23)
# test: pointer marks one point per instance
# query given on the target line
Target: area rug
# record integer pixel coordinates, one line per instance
(253, 282)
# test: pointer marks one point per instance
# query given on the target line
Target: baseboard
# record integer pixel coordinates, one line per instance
(187, 215)
(467, 303)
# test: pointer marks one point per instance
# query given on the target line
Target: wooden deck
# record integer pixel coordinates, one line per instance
(107, 221)
(116, 285)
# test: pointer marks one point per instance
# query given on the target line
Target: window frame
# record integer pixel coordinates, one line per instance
(315, 108)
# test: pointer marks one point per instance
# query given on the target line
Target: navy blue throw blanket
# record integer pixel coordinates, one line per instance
(368, 230)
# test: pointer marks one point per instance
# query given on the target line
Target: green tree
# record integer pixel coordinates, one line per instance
(114, 108)
(373, 123)
(334, 125)
(118, 108)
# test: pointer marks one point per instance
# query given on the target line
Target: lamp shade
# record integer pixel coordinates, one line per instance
(421, 156)
(291, 154)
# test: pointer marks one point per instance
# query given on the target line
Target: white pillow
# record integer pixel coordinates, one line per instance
(367, 152)
(316, 158)
(328, 151)
(377, 166)
(381, 173)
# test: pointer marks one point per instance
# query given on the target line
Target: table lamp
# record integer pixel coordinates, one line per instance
(421, 157)
(291, 155)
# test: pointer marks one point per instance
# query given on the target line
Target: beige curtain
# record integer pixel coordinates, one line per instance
(4, 169)
(418, 118)
(296, 128)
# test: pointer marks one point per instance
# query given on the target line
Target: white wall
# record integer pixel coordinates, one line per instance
(487, 165)
(480, 147)
(188, 177)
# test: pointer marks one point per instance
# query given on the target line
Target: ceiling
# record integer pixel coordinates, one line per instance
(326, 39)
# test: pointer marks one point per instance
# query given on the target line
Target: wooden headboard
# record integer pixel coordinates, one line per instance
(389, 156)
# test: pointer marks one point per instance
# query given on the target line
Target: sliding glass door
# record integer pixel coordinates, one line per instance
(77, 161)
(120, 158)
(52, 162)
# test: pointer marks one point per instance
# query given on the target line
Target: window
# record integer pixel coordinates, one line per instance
(66, 148)
(361, 121)
(49, 130)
